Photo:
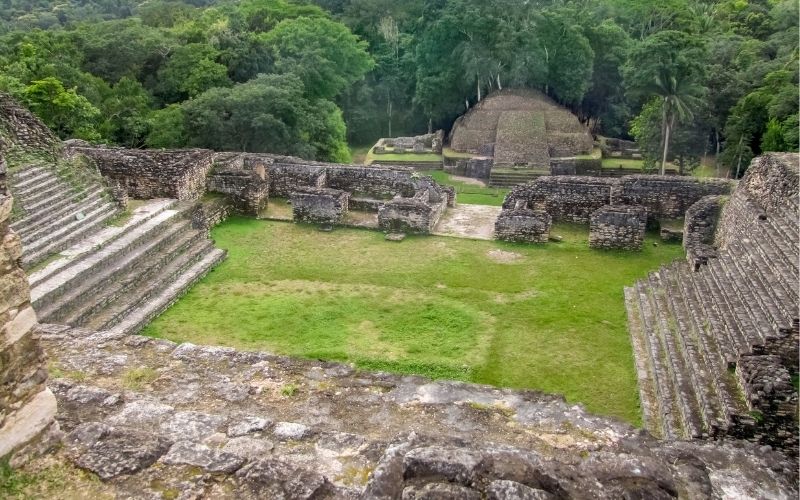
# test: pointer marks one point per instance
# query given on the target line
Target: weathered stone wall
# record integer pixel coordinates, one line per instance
(478, 168)
(668, 197)
(146, 174)
(21, 131)
(523, 225)
(565, 198)
(574, 198)
(410, 215)
(618, 227)
(772, 399)
(209, 212)
(699, 227)
(244, 179)
(319, 205)
(27, 407)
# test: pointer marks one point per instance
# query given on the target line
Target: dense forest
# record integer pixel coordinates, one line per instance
(309, 78)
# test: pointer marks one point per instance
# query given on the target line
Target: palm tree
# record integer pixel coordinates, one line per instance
(680, 96)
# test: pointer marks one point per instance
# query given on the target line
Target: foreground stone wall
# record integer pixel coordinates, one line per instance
(619, 227)
(319, 205)
(147, 174)
(523, 225)
(27, 407)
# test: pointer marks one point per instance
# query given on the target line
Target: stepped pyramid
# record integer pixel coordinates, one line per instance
(716, 345)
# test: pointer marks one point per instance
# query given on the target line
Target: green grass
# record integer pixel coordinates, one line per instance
(625, 163)
(470, 194)
(552, 320)
(456, 155)
(403, 157)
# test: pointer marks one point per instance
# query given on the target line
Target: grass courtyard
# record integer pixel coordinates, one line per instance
(545, 317)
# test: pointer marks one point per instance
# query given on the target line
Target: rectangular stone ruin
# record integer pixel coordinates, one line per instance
(618, 227)
(147, 174)
(319, 205)
(413, 215)
(244, 179)
(523, 225)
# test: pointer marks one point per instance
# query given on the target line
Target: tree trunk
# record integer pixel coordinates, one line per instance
(716, 156)
(478, 80)
(430, 125)
(739, 163)
(666, 148)
(499, 85)
(389, 111)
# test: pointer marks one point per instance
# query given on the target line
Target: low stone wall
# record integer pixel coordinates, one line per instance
(27, 407)
(410, 215)
(699, 227)
(244, 179)
(576, 166)
(319, 205)
(208, 213)
(565, 198)
(478, 168)
(147, 174)
(523, 225)
(667, 197)
(574, 198)
(618, 227)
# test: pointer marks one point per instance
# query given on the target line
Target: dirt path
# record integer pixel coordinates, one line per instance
(468, 221)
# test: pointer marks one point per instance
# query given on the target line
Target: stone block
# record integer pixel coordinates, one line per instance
(618, 227)
(523, 225)
(319, 205)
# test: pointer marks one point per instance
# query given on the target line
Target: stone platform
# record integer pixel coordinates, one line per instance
(153, 418)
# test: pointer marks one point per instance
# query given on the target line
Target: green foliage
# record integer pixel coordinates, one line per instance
(63, 110)
(167, 128)
(543, 322)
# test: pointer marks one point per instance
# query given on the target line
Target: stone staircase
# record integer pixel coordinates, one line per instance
(508, 177)
(124, 276)
(52, 212)
(690, 329)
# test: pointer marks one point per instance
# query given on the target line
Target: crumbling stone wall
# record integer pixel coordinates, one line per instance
(411, 215)
(21, 131)
(27, 407)
(699, 227)
(574, 198)
(426, 143)
(668, 197)
(146, 174)
(565, 198)
(244, 179)
(772, 400)
(319, 205)
(618, 227)
(523, 225)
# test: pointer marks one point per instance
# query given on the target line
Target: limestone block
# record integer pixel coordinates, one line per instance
(523, 225)
(320, 205)
(24, 425)
(618, 227)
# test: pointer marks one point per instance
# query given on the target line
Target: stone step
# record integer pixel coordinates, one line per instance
(44, 204)
(752, 284)
(675, 362)
(93, 288)
(776, 276)
(698, 371)
(86, 247)
(732, 323)
(669, 415)
(43, 228)
(137, 319)
(42, 181)
(648, 394)
(775, 244)
(713, 324)
(58, 207)
(753, 322)
(27, 172)
(718, 399)
(109, 251)
(33, 201)
(68, 235)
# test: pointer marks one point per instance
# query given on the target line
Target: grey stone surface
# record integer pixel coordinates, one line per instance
(620, 227)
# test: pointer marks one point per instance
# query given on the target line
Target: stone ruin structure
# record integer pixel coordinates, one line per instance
(515, 133)
(212, 422)
(619, 227)
(27, 406)
(427, 143)
(523, 225)
(578, 199)
(716, 338)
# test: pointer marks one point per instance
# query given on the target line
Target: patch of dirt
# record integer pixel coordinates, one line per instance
(503, 257)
